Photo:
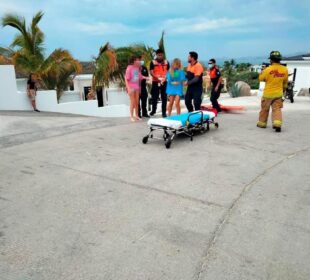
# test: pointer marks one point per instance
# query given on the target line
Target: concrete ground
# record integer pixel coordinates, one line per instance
(83, 198)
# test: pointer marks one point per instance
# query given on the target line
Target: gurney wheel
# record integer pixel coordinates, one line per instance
(216, 125)
(168, 143)
(145, 139)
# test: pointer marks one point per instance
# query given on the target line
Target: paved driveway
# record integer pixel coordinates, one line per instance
(83, 198)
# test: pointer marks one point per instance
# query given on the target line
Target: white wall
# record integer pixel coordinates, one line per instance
(11, 99)
(21, 84)
(85, 80)
(256, 68)
(70, 96)
(116, 96)
(302, 75)
(81, 81)
(302, 78)
(47, 102)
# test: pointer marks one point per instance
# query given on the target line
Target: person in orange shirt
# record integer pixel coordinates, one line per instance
(276, 78)
(216, 80)
(159, 68)
(194, 83)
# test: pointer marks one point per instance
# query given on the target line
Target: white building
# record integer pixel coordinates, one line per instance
(80, 87)
(256, 68)
(302, 65)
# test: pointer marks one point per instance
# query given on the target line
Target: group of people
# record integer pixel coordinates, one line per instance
(168, 82)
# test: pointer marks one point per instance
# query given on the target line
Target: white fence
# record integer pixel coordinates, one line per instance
(11, 99)
(70, 96)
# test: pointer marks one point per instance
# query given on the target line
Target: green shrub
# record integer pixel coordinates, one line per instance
(234, 91)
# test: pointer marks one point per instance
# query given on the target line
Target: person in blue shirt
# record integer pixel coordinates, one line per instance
(175, 79)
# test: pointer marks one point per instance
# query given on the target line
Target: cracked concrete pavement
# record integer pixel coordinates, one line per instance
(83, 198)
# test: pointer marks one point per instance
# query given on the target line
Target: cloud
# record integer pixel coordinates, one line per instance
(9, 7)
(104, 28)
(223, 25)
(197, 25)
(171, 26)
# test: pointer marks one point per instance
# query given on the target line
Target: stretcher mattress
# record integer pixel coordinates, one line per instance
(179, 121)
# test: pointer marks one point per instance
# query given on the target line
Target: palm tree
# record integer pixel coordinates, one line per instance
(58, 70)
(29, 53)
(123, 55)
(243, 67)
(147, 52)
(233, 62)
(105, 67)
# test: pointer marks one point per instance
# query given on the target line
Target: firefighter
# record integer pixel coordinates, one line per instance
(276, 78)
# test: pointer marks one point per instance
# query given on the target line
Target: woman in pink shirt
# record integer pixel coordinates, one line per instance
(133, 78)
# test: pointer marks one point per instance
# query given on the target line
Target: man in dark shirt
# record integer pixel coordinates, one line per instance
(216, 81)
(143, 94)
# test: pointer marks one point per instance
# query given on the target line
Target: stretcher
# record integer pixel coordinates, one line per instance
(186, 123)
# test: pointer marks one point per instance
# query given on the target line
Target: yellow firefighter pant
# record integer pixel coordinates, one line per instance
(276, 104)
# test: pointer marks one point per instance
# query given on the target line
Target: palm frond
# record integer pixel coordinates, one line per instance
(28, 63)
(36, 19)
(58, 70)
(15, 21)
(18, 41)
(28, 41)
(161, 43)
(4, 60)
(105, 65)
(124, 53)
(7, 52)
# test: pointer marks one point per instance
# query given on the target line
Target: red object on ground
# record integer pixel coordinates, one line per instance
(210, 110)
(209, 107)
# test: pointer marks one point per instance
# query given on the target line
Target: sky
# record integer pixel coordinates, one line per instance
(219, 29)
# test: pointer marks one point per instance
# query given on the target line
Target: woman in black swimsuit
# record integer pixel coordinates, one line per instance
(32, 91)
